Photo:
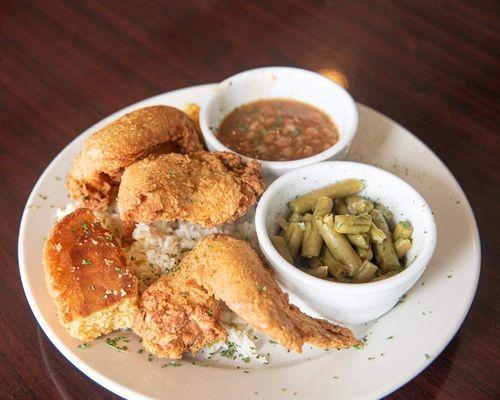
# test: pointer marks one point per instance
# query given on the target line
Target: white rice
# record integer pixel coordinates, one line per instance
(157, 250)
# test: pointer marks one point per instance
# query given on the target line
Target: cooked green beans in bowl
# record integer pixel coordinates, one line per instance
(333, 233)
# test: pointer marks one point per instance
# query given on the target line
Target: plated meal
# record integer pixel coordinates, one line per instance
(208, 234)
(150, 163)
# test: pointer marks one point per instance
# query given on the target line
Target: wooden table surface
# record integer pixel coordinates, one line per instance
(433, 66)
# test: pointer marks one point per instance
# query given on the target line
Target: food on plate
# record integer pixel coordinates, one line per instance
(207, 188)
(193, 112)
(346, 238)
(337, 190)
(87, 277)
(277, 130)
(335, 76)
(96, 171)
(178, 313)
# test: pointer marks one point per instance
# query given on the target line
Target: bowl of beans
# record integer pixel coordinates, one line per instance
(349, 238)
(284, 117)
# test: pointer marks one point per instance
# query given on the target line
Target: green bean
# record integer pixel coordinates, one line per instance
(376, 234)
(283, 223)
(295, 218)
(364, 254)
(386, 275)
(366, 272)
(338, 244)
(403, 230)
(335, 268)
(308, 201)
(315, 262)
(319, 272)
(312, 242)
(358, 205)
(324, 206)
(402, 246)
(293, 237)
(280, 245)
(341, 207)
(384, 252)
(352, 223)
(307, 217)
(360, 240)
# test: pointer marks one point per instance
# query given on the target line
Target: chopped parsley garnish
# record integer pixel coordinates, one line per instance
(273, 342)
(86, 261)
(405, 224)
(85, 226)
(427, 356)
(246, 359)
(114, 343)
(140, 351)
(84, 346)
(209, 312)
(390, 337)
(230, 351)
(150, 357)
(171, 364)
(262, 288)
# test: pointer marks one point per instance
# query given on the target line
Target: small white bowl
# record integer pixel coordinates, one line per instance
(283, 83)
(348, 302)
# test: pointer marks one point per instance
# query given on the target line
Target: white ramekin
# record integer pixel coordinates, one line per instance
(348, 302)
(286, 83)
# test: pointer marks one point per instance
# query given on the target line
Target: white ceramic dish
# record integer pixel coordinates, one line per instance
(288, 83)
(399, 345)
(344, 302)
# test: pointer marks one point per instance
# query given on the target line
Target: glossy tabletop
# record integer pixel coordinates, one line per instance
(433, 66)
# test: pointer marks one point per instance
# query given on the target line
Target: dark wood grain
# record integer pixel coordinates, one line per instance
(433, 66)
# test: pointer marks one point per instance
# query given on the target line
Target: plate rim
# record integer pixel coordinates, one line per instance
(126, 392)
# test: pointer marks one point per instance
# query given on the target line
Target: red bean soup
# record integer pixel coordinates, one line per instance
(277, 130)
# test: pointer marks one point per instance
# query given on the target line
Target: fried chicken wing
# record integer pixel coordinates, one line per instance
(96, 171)
(231, 271)
(207, 188)
(178, 316)
(87, 277)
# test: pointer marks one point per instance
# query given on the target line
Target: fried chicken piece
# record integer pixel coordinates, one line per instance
(230, 270)
(177, 316)
(207, 188)
(87, 277)
(96, 171)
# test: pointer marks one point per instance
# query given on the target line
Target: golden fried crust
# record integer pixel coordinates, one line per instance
(87, 277)
(207, 188)
(96, 171)
(229, 270)
(177, 316)
(233, 272)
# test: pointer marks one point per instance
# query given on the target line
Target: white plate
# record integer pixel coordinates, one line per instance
(399, 345)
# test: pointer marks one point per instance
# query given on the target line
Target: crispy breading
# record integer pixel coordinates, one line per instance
(177, 316)
(207, 188)
(231, 271)
(96, 171)
(87, 277)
